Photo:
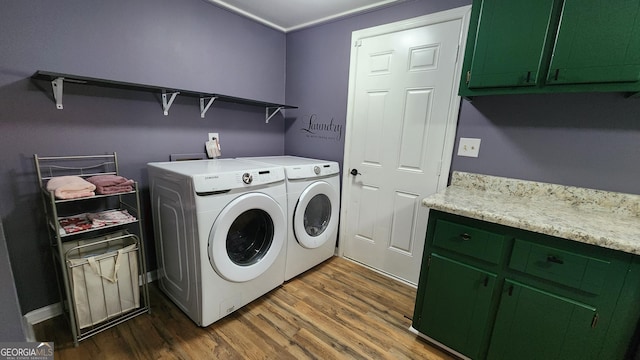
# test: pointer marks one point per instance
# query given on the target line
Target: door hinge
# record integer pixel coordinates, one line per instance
(458, 54)
(468, 76)
(358, 43)
(429, 261)
(594, 321)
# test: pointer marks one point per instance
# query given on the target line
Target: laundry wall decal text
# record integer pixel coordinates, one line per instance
(327, 130)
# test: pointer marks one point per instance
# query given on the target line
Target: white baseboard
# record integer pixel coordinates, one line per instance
(27, 329)
(50, 311)
(44, 313)
(439, 344)
(151, 276)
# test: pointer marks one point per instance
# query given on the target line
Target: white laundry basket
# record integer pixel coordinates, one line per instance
(104, 277)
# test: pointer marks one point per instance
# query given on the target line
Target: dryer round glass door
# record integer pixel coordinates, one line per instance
(247, 236)
(315, 219)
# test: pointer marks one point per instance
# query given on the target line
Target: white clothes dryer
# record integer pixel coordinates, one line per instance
(313, 201)
(220, 228)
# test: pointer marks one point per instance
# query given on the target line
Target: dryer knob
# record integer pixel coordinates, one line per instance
(247, 178)
(316, 169)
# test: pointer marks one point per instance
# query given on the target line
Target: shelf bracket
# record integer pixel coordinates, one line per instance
(204, 108)
(269, 116)
(56, 85)
(167, 104)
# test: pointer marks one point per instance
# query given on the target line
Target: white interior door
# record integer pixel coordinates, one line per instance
(403, 107)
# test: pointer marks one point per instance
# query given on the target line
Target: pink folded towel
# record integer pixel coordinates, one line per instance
(111, 184)
(115, 189)
(70, 187)
(109, 180)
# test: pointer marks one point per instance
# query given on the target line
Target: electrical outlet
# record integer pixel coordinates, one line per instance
(214, 135)
(469, 147)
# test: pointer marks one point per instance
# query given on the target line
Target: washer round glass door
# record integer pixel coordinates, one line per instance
(247, 236)
(315, 219)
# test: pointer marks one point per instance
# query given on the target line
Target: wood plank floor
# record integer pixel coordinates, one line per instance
(338, 310)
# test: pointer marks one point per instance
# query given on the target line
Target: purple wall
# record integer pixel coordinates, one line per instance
(188, 44)
(318, 76)
(578, 139)
(588, 140)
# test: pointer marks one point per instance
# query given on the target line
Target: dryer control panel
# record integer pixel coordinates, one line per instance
(235, 180)
(312, 171)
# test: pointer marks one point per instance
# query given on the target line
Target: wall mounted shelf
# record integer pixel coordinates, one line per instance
(168, 94)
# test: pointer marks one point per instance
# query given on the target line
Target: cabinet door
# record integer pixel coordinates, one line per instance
(456, 305)
(509, 43)
(533, 324)
(598, 41)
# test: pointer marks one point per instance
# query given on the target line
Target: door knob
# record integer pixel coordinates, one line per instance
(355, 172)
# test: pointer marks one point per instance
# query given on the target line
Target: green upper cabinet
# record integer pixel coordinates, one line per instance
(546, 46)
(598, 41)
(509, 58)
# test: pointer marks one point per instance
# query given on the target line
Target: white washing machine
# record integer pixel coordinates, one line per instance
(220, 228)
(313, 193)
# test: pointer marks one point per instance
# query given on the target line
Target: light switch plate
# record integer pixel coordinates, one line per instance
(469, 147)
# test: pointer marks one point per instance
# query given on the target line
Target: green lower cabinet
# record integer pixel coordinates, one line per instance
(534, 324)
(456, 305)
(488, 291)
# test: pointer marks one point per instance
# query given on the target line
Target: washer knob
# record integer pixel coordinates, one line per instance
(316, 169)
(247, 178)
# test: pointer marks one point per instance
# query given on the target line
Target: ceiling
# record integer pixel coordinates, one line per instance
(289, 15)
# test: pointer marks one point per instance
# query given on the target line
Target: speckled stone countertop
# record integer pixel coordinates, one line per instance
(602, 218)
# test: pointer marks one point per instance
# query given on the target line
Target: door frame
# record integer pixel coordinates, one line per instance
(461, 13)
